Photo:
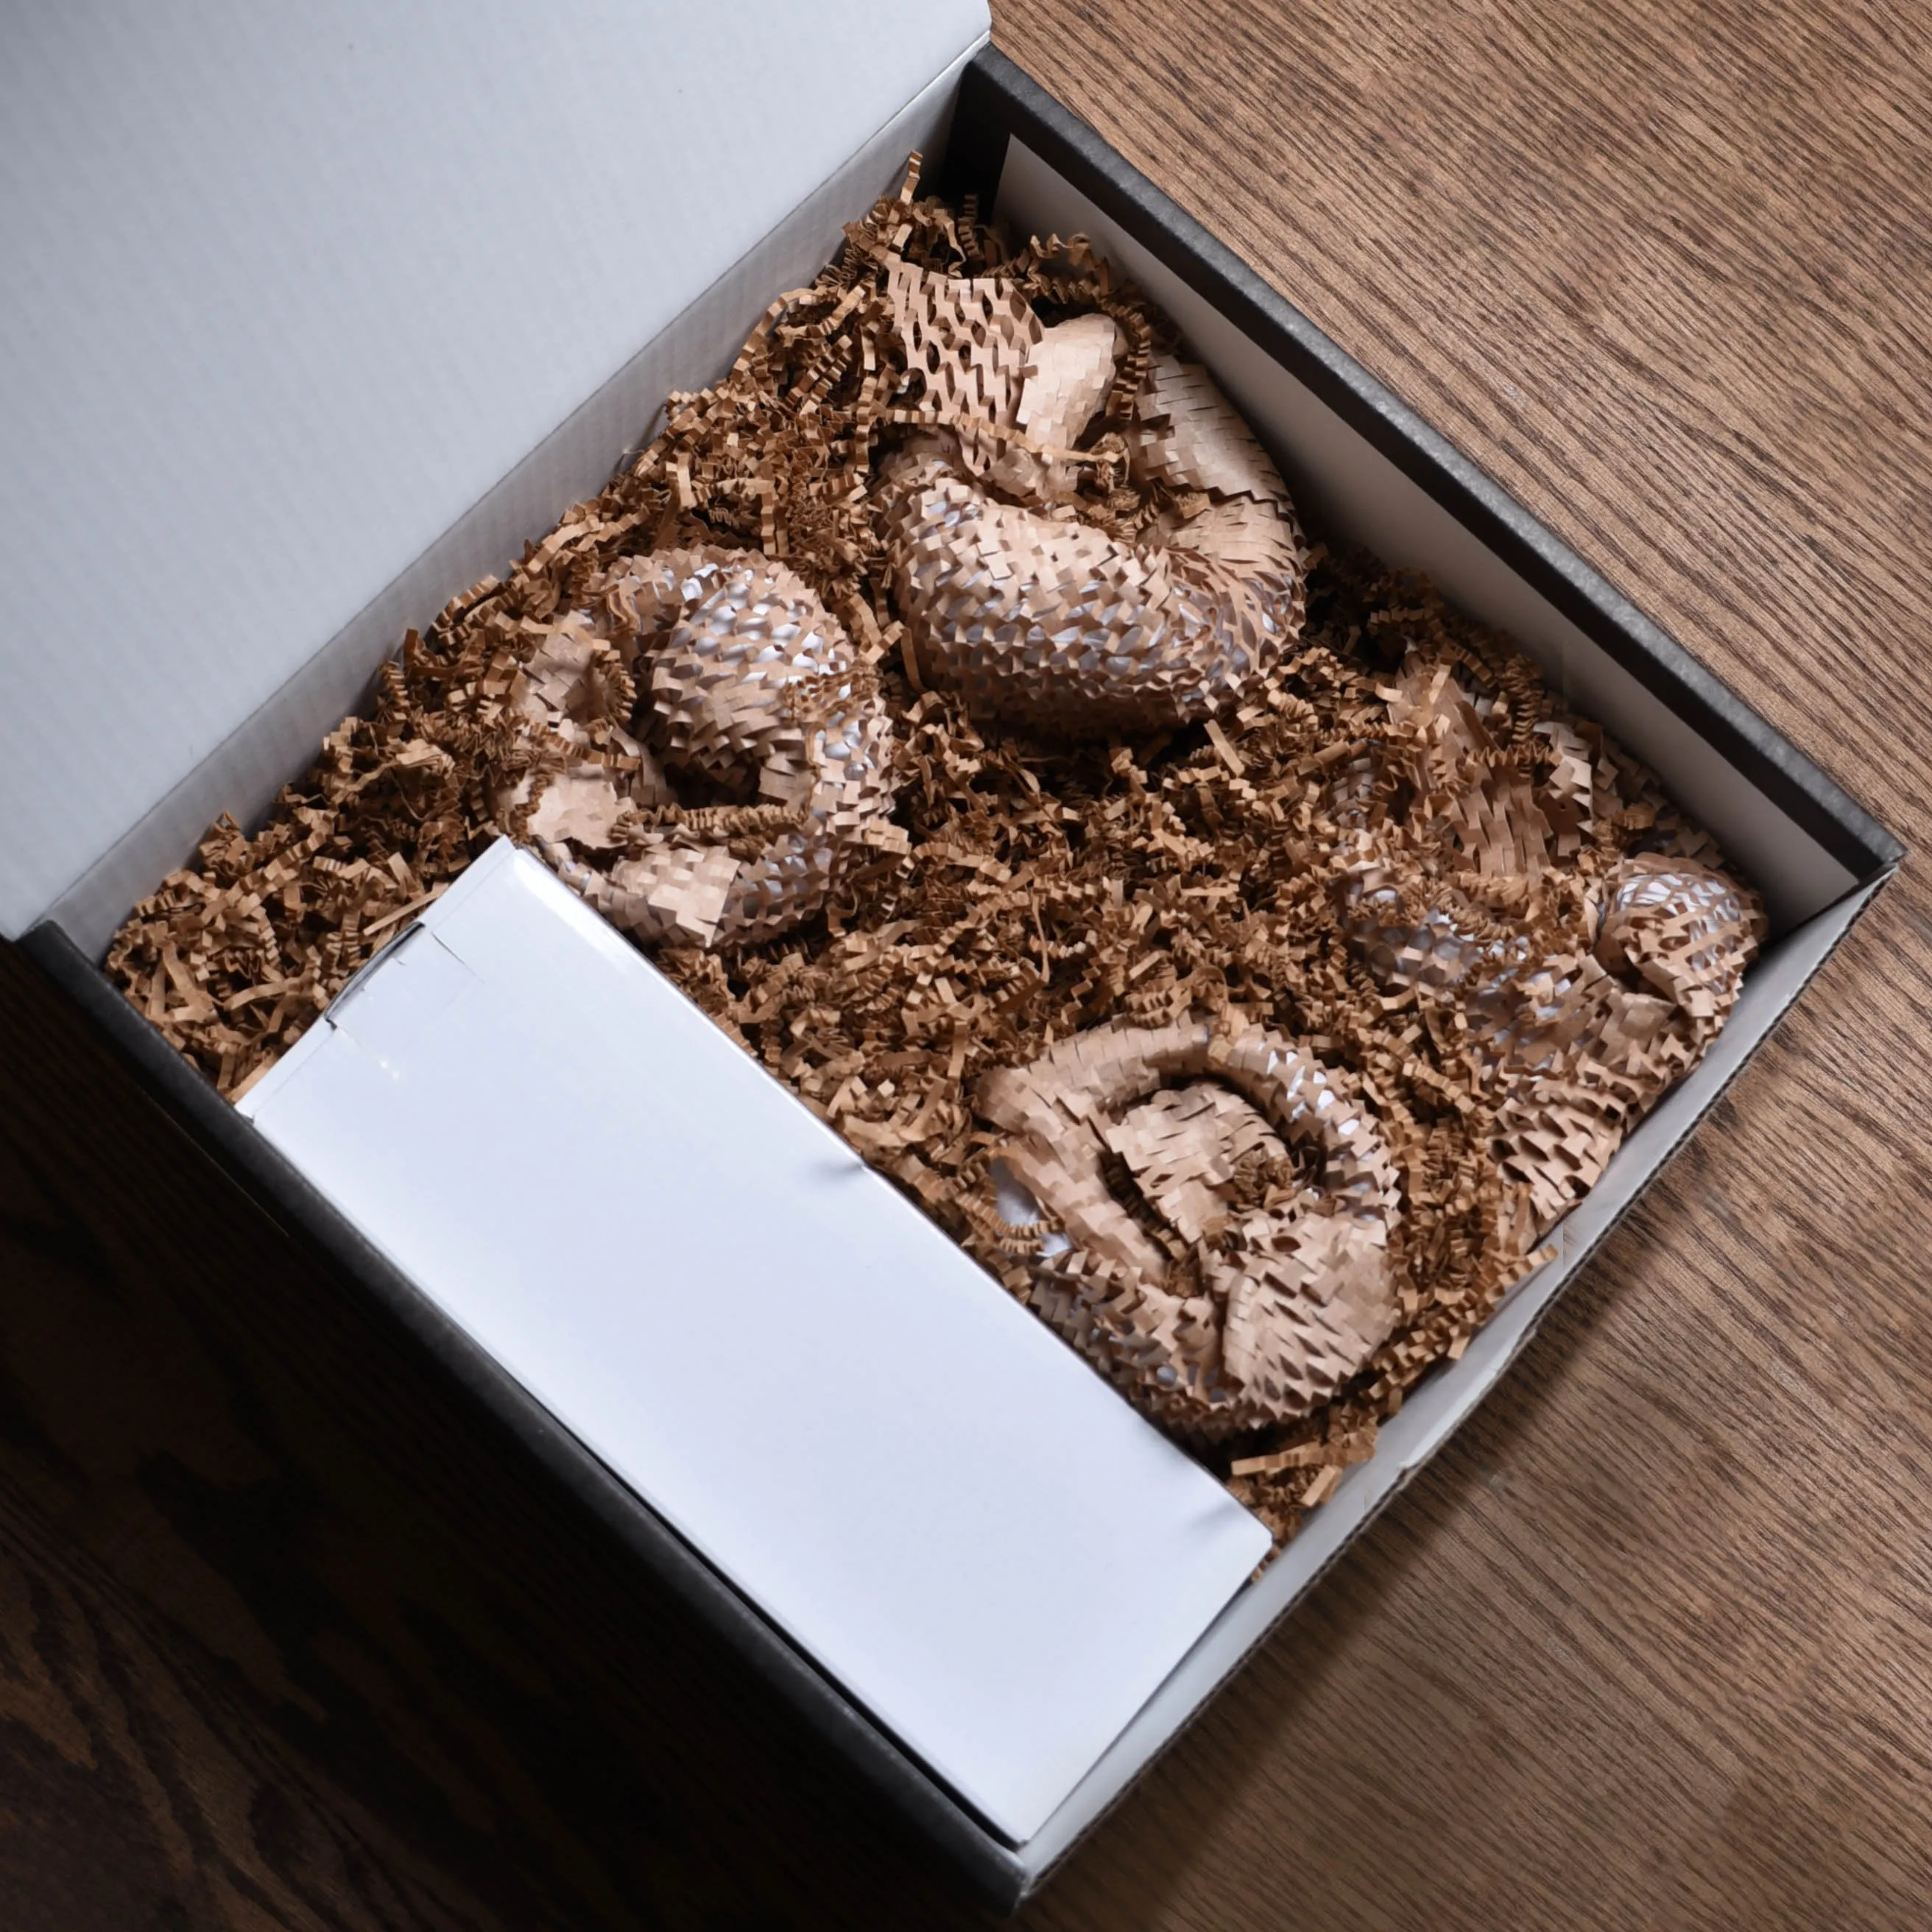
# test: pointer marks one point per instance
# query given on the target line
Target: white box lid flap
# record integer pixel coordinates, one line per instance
(289, 290)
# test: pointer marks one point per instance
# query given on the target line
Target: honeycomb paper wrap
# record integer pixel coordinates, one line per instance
(948, 700)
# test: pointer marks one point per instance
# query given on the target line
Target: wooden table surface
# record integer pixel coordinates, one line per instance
(1646, 1646)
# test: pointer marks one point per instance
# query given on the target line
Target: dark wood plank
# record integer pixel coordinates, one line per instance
(1648, 1645)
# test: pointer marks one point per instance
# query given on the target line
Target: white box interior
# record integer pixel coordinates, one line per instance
(318, 315)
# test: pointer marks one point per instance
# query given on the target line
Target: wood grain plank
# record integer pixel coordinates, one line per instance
(287, 1639)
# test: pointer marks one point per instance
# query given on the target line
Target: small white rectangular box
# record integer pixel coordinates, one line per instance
(934, 1498)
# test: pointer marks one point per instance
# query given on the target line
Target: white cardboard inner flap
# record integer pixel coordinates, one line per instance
(941, 1503)
(291, 289)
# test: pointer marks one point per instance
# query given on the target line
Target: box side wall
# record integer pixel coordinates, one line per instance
(241, 775)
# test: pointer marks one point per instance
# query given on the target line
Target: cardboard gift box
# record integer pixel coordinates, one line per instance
(327, 318)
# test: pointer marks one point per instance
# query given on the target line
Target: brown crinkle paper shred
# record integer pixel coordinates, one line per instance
(1211, 877)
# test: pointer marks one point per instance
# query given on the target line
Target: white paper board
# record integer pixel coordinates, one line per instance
(941, 1504)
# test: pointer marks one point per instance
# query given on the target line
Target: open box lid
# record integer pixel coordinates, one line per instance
(290, 291)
